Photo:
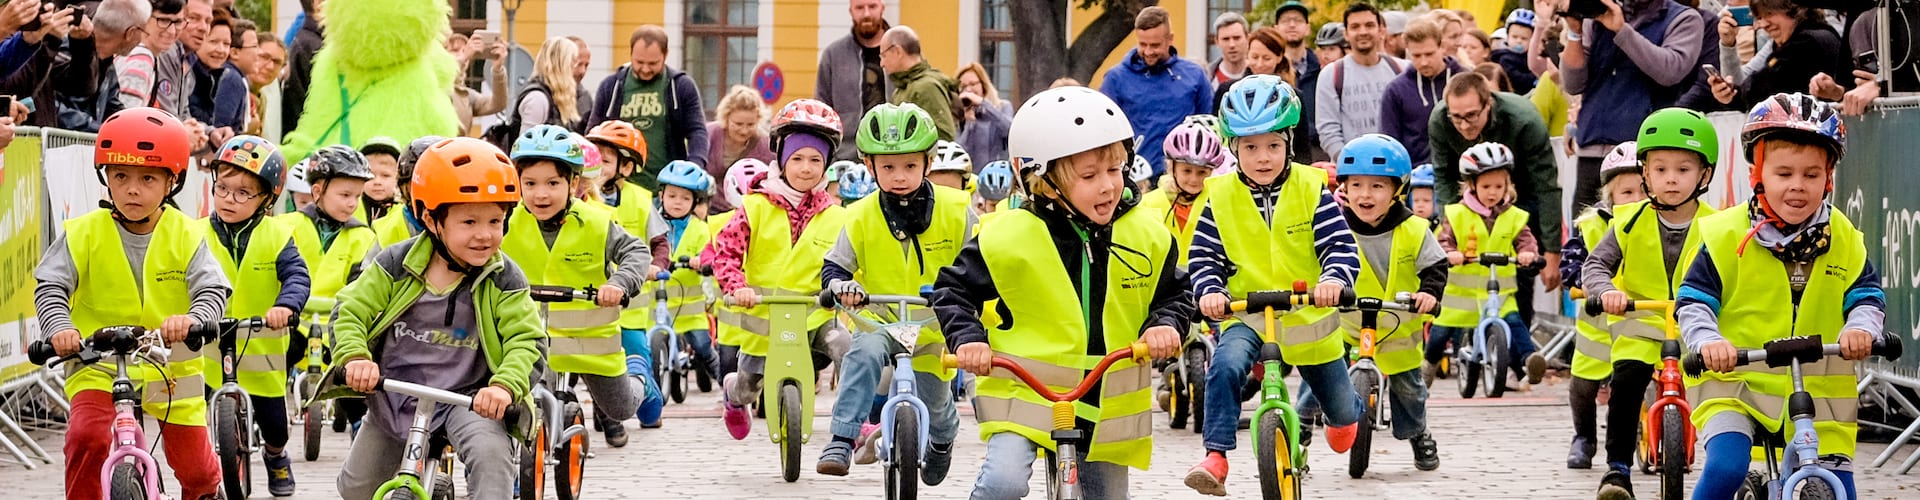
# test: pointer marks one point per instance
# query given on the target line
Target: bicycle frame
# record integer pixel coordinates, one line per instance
(1370, 309)
(306, 383)
(1490, 308)
(129, 438)
(789, 361)
(904, 384)
(553, 384)
(1065, 459)
(1273, 385)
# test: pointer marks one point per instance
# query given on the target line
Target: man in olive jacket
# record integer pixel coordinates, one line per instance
(917, 82)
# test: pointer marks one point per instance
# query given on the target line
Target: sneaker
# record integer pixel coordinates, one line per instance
(1426, 453)
(866, 449)
(1429, 373)
(1536, 367)
(1306, 434)
(615, 431)
(279, 474)
(1580, 453)
(833, 459)
(738, 422)
(339, 424)
(1340, 437)
(933, 469)
(653, 402)
(1615, 486)
(1209, 477)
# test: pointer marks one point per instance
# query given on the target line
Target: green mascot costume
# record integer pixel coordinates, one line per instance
(382, 72)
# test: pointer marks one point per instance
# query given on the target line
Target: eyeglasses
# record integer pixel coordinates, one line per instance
(235, 194)
(168, 23)
(1466, 117)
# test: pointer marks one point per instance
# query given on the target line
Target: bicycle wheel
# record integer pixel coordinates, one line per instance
(533, 458)
(1495, 372)
(1278, 479)
(676, 385)
(230, 444)
(570, 470)
(1673, 454)
(1469, 377)
(1368, 385)
(316, 416)
(1815, 489)
(443, 478)
(661, 358)
(903, 467)
(1196, 379)
(128, 483)
(1754, 488)
(1177, 405)
(790, 432)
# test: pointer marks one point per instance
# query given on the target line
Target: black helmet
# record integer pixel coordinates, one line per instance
(338, 161)
(411, 156)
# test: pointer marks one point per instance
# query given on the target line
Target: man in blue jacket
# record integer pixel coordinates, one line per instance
(1155, 87)
(664, 103)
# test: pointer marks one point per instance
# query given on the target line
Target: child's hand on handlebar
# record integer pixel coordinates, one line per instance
(492, 402)
(1855, 344)
(610, 295)
(362, 375)
(1456, 258)
(745, 297)
(1528, 258)
(1424, 302)
(280, 317)
(1162, 341)
(975, 357)
(850, 293)
(1327, 293)
(1214, 306)
(66, 342)
(654, 270)
(175, 328)
(1615, 302)
(1719, 355)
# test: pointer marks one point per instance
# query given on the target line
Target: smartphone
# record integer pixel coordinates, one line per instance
(1742, 15)
(1712, 72)
(34, 24)
(1584, 9)
(1868, 61)
(486, 38)
(6, 105)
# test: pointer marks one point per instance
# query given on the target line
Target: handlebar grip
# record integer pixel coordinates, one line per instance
(1889, 347)
(1494, 259)
(1348, 297)
(663, 276)
(826, 299)
(512, 417)
(1693, 364)
(41, 351)
(948, 361)
(1277, 300)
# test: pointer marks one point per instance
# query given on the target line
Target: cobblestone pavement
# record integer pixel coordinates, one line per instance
(1514, 447)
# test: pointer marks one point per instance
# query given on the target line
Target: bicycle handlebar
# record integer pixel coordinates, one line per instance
(428, 393)
(1137, 351)
(1595, 308)
(1500, 259)
(1782, 352)
(827, 300)
(778, 299)
(1402, 301)
(553, 294)
(1283, 301)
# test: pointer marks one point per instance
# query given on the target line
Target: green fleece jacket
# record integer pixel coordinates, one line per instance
(508, 319)
(932, 91)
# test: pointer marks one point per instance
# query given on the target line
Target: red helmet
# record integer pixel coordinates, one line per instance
(806, 115)
(143, 137)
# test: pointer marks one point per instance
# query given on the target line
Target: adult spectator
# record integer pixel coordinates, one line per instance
(738, 131)
(580, 66)
(1496, 77)
(1393, 40)
(1347, 97)
(469, 102)
(147, 75)
(246, 45)
(549, 97)
(42, 71)
(1633, 71)
(1863, 36)
(1290, 21)
(199, 14)
(850, 78)
(1804, 45)
(915, 81)
(13, 16)
(1411, 97)
(306, 42)
(1473, 113)
(265, 80)
(1513, 58)
(664, 103)
(1453, 31)
(1230, 35)
(1475, 48)
(1264, 57)
(112, 31)
(1155, 87)
(985, 118)
(220, 98)
(1542, 51)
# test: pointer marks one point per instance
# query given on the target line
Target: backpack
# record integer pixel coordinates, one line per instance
(502, 134)
(1340, 77)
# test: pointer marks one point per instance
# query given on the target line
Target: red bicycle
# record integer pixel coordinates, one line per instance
(1667, 422)
(1063, 476)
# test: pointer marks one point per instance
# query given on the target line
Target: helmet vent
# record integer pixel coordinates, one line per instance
(462, 160)
(145, 146)
(1079, 121)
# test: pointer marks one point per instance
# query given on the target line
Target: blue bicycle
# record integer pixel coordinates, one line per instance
(904, 423)
(1482, 356)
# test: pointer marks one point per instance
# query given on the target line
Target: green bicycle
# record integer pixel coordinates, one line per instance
(1276, 431)
(787, 388)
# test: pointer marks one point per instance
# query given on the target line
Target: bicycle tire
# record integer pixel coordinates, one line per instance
(1672, 455)
(1753, 488)
(790, 432)
(661, 358)
(1495, 372)
(1815, 489)
(316, 416)
(676, 386)
(703, 379)
(128, 483)
(1196, 378)
(533, 458)
(230, 446)
(1177, 406)
(1366, 383)
(903, 468)
(1278, 479)
(570, 471)
(1469, 377)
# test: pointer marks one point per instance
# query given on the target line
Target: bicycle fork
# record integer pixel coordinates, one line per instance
(904, 380)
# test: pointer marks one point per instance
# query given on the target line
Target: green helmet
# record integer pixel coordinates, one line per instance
(1682, 129)
(891, 129)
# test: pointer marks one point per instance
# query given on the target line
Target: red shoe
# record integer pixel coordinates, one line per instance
(1340, 438)
(1210, 476)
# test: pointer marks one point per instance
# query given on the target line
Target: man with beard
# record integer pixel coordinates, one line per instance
(1639, 56)
(1291, 21)
(1349, 91)
(851, 79)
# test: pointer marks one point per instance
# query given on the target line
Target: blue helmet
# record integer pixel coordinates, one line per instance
(1374, 154)
(685, 174)
(1521, 17)
(856, 182)
(1257, 105)
(550, 142)
(996, 181)
(1423, 176)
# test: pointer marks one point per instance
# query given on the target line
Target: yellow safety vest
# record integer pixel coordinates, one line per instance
(110, 295)
(1159, 203)
(725, 316)
(778, 264)
(1272, 256)
(393, 228)
(582, 337)
(1643, 276)
(889, 266)
(686, 295)
(330, 266)
(1048, 336)
(262, 356)
(1593, 347)
(1756, 305)
(1398, 347)
(636, 208)
(1467, 283)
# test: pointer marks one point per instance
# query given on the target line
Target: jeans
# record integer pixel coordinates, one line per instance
(1408, 393)
(860, 372)
(271, 414)
(1519, 341)
(90, 439)
(1009, 466)
(702, 345)
(1234, 356)
(636, 344)
(482, 443)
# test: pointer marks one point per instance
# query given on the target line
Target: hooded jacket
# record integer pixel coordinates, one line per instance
(686, 120)
(1156, 97)
(839, 84)
(1409, 101)
(932, 90)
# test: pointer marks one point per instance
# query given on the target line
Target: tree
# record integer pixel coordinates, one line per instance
(1040, 27)
(258, 11)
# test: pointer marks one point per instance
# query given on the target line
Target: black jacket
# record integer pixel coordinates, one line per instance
(293, 93)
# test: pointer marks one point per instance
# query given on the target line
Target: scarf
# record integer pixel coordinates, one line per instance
(1789, 243)
(908, 215)
(1473, 203)
(800, 207)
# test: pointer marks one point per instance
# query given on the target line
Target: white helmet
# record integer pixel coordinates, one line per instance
(1061, 122)
(949, 156)
(739, 175)
(1485, 157)
(297, 178)
(1139, 170)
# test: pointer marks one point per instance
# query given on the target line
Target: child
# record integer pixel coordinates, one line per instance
(894, 244)
(996, 186)
(558, 242)
(776, 241)
(383, 158)
(1421, 196)
(402, 223)
(1787, 249)
(855, 183)
(87, 282)
(1485, 221)
(951, 167)
(590, 173)
(297, 184)
(1398, 254)
(727, 338)
(1073, 143)
(1193, 151)
(684, 186)
(444, 309)
(269, 279)
(335, 244)
(621, 149)
(1249, 238)
(1592, 352)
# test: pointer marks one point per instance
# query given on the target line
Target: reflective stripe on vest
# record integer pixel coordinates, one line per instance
(1593, 347)
(636, 208)
(577, 259)
(777, 261)
(1643, 276)
(1396, 349)
(109, 294)
(890, 266)
(686, 294)
(1467, 283)
(1271, 256)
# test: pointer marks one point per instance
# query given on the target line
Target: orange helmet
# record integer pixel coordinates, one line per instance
(143, 137)
(463, 170)
(621, 135)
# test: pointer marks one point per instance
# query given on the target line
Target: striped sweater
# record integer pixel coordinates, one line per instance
(1332, 242)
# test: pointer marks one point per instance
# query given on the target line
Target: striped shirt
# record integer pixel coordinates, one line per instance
(1333, 243)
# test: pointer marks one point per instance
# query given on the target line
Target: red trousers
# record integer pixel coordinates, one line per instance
(90, 440)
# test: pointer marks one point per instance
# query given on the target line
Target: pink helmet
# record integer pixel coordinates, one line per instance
(1622, 160)
(1194, 143)
(740, 179)
(592, 153)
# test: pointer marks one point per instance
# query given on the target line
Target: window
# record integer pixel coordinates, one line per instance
(722, 45)
(468, 16)
(996, 46)
(1217, 7)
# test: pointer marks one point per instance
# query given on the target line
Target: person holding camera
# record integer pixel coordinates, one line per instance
(984, 117)
(1805, 47)
(1637, 56)
(469, 102)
